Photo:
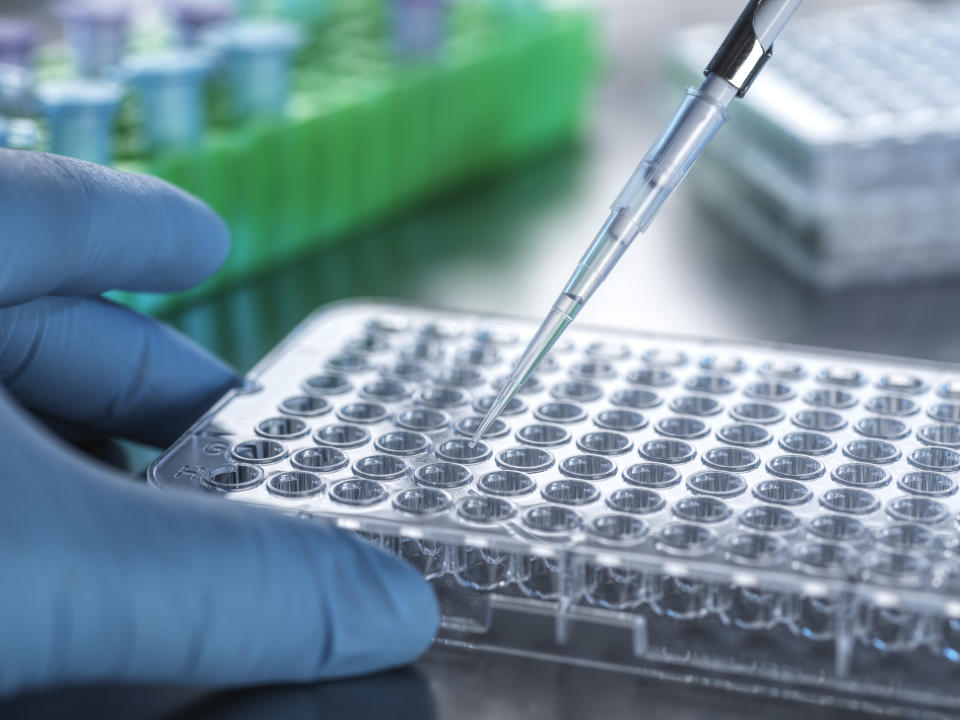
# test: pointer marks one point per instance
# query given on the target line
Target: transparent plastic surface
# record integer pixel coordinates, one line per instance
(797, 536)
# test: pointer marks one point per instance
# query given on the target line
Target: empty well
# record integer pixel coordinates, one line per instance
(295, 483)
(717, 483)
(808, 443)
(635, 500)
(700, 405)
(830, 398)
(588, 467)
(917, 509)
(405, 370)
(850, 500)
(872, 451)
(907, 537)
(507, 483)
(771, 390)
(755, 549)
(782, 492)
(621, 420)
(485, 510)
(797, 467)
(651, 377)
(360, 492)
(769, 518)
(387, 391)
(686, 539)
(342, 436)
(668, 451)
(636, 398)
(713, 384)
(608, 351)
(403, 442)
(259, 451)
(897, 405)
(619, 528)
(442, 475)
(732, 459)
(651, 475)
(560, 412)
(282, 428)
(819, 420)
(882, 428)
(839, 528)
(702, 509)
(861, 475)
(543, 435)
(664, 357)
(525, 459)
(327, 384)
(927, 483)
(605, 442)
(425, 420)
(552, 519)
(347, 363)
(593, 370)
(469, 425)
(577, 391)
(516, 406)
(570, 492)
(462, 450)
(319, 459)
(306, 405)
(940, 459)
(363, 412)
(460, 376)
(687, 428)
(442, 398)
(943, 434)
(232, 478)
(380, 467)
(421, 501)
(756, 412)
(744, 435)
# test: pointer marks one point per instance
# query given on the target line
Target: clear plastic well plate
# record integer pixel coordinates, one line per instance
(761, 517)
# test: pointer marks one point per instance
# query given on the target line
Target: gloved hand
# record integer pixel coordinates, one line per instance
(104, 579)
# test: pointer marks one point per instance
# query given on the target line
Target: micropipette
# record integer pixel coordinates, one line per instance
(736, 64)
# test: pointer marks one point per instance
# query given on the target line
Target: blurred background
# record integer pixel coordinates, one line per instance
(462, 153)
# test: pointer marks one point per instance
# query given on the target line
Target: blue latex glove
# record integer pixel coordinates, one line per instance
(104, 579)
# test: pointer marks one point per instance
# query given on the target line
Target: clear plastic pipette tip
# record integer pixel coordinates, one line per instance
(557, 320)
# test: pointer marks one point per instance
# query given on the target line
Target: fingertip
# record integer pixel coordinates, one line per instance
(207, 245)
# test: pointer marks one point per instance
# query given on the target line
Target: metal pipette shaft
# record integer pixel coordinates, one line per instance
(741, 56)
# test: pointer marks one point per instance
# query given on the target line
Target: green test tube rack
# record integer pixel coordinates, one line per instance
(366, 135)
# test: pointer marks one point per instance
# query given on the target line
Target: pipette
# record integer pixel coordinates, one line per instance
(736, 64)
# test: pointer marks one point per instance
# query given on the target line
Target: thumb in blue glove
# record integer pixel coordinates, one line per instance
(105, 579)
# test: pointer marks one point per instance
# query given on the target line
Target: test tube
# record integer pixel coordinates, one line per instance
(80, 115)
(257, 55)
(169, 85)
(195, 17)
(419, 27)
(97, 32)
(18, 39)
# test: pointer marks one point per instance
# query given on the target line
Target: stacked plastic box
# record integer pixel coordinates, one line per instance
(843, 161)
(764, 518)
